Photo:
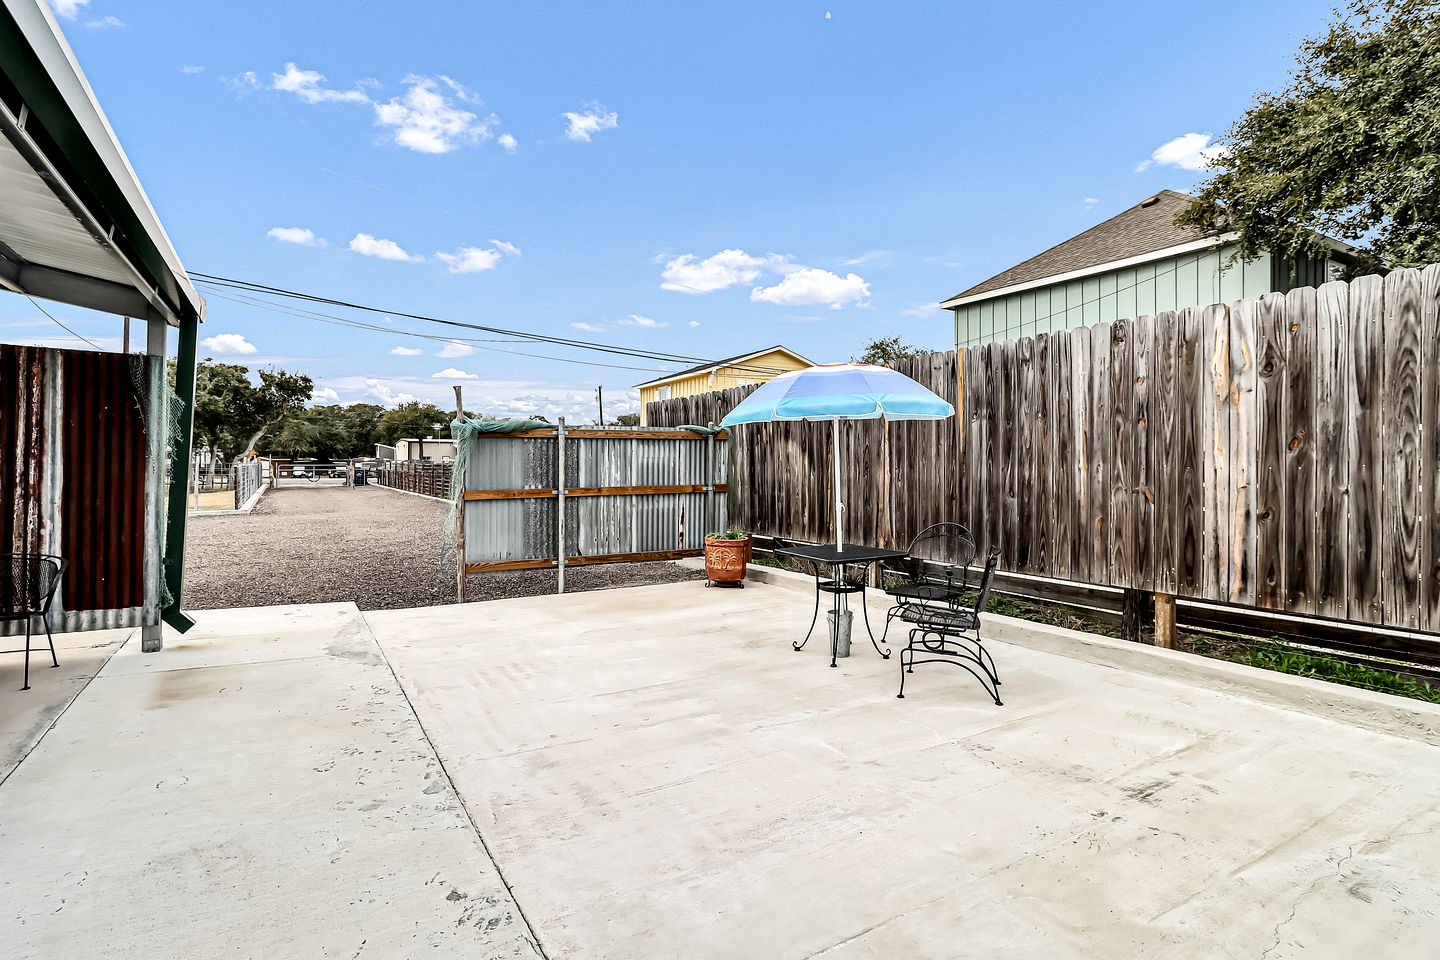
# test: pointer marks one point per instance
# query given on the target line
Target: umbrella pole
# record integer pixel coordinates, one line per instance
(839, 507)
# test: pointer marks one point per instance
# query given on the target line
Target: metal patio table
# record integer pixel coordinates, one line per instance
(837, 559)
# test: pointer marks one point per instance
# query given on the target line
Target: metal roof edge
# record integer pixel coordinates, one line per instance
(731, 361)
(42, 68)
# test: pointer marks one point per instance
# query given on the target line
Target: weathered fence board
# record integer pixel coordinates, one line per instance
(1281, 453)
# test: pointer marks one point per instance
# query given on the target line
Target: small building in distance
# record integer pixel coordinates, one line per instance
(1138, 262)
(755, 367)
(433, 448)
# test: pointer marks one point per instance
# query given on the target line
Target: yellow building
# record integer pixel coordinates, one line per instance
(738, 371)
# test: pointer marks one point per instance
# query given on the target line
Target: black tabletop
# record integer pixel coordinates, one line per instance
(852, 553)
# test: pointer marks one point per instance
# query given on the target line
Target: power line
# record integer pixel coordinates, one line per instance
(255, 287)
(59, 324)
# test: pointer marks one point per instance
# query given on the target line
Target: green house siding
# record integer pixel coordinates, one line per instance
(1187, 280)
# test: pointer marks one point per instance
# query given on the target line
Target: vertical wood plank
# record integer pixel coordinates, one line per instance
(1163, 463)
(1362, 397)
(1241, 409)
(1121, 534)
(1299, 502)
(1063, 469)
(1080, 348)
(1271, 443)
(1025, 426)
(1215, 327)
(1330, 536)
(1099, 533)
(1042, 496)
(1430, 448)
(1147, 555)
(1008, 515)
(1189, 456)
(1400, 451)
(994, 464)
(977, 384)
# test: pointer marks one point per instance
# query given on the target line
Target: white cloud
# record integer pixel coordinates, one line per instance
(648, 323)
(1189, 151)
(306, 84)
(303, 236)
(693, 324)
(232, 344)
(919, 310)
(811, 285)
(191, 69)
(506, 248)
(871, 256)
(450, 373)
(105, 23)
(69, 9)
(587, 327)
(369, 246)
(1090, 201)
(470, 259)
(326, 394)
(425, 120)
(508, 142)
(580, 127)
(453, 349)
(377, 389)
(689, 274)
(405, 351)
(246, 82)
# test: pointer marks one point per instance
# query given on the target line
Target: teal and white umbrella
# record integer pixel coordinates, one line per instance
(835, 392)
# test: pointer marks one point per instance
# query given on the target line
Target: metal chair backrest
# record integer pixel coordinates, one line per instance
(28, 582)
(987, 580)
(948, 544)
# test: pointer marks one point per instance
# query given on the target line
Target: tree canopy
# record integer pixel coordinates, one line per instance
(413, 419)
(1349, 149)
(885, 351)
(231, 411)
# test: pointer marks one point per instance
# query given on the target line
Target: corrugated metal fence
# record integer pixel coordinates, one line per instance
(626, 495)
(74, 475)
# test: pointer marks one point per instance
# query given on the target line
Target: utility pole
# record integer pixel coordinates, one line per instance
(600, 402)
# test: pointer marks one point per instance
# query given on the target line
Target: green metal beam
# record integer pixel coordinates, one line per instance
(180, 477)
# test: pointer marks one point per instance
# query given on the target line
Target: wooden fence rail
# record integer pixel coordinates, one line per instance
(430, 479)
(1281, 453)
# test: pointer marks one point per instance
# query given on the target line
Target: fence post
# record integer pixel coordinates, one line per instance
(560, 505)
(709, 482)
(1165, 620)
(458, 496)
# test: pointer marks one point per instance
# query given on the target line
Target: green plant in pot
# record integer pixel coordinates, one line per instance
(726, 555)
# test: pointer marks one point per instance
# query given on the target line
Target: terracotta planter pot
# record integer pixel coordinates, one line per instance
(725, 560)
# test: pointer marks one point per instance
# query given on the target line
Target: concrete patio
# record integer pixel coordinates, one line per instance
(652, 772)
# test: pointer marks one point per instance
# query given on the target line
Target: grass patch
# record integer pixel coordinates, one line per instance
(1274, 655)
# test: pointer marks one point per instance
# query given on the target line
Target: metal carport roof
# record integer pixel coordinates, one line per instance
(75, 224)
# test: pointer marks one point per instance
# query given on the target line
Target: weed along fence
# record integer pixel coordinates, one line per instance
(552, 497)
(1280, 454)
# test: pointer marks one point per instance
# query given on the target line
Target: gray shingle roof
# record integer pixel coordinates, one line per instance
(1144, 228)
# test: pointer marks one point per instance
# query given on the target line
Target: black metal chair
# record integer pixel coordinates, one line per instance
(934, 569)
(28, 582)
(849, 582)
(955, 629)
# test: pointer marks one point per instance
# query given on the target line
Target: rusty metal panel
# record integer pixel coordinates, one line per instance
(72, 480)
(102, 502)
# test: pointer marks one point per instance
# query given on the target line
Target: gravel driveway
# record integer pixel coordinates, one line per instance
(374, 546)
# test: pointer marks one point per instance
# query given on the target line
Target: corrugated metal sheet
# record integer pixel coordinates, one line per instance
(525, 528)
(74, 476)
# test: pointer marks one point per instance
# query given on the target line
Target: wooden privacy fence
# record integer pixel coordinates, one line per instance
(416, 476)
(623, 495)
(1281, 453)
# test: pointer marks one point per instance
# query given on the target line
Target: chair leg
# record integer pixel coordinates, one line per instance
(814, 618)
(901, 694)
(27, 654)
(54, 661)
(986, 660)
(865, 611)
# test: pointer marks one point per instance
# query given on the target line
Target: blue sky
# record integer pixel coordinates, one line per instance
(702, 179)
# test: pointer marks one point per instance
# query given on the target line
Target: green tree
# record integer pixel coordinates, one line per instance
(413, 419)
(1349, 149)
(232, 412)
(628, 420)
(885, 351)
(321, 432)
(362, 421)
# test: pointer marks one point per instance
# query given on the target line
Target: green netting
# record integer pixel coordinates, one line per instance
(141, 365)
(464, 430)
